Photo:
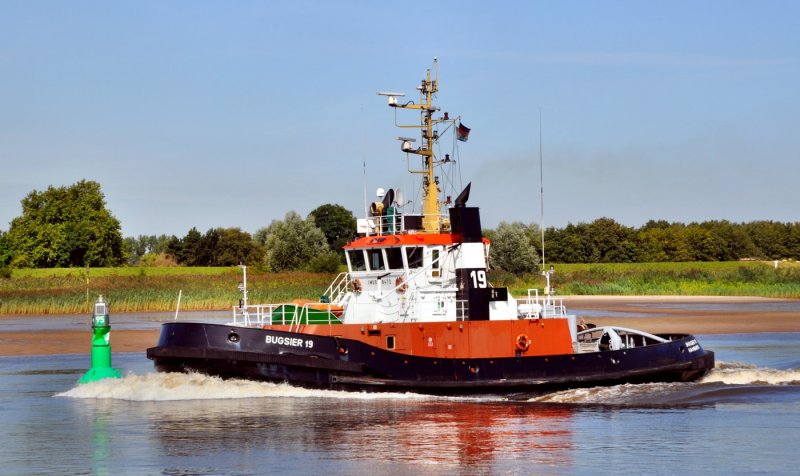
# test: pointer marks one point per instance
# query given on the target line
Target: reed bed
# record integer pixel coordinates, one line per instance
(155, 289)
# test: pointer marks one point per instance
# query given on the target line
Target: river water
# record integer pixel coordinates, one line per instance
(744, 418)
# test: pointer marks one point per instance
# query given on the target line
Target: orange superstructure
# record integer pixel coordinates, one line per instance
(458, 340)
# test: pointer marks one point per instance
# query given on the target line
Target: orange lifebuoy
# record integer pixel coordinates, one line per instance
(400, 284)
(523, 342)
(356, 285)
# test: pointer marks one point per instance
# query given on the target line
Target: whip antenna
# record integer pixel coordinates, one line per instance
(541, 185)
(364, 166)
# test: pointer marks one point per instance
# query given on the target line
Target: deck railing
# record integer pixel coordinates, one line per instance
(399, 223)
(338, 288)
(535, 306)
(292, 314)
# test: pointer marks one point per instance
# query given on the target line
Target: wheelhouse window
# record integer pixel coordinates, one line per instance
(356, 259)
(376, 260)
(394, 258)
(435, 272)
(414, 256)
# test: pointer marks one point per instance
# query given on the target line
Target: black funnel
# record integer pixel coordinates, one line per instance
(461, 200)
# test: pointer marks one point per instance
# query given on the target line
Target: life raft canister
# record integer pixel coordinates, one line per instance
(523, 342)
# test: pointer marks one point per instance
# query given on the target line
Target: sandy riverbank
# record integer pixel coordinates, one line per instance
(655, 314)
(692, 314)
(72, 342)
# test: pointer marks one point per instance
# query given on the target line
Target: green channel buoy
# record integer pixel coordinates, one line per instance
(101, 348)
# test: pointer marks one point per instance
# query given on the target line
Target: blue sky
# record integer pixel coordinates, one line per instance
(231, 114)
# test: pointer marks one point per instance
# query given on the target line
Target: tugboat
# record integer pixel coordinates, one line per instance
(415, 311)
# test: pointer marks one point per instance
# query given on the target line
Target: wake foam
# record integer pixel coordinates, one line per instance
(194, 386)
(727, 380)
(627, 394)
(745, 374)
(734, 365)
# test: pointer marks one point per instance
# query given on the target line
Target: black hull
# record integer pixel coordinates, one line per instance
(345, 364)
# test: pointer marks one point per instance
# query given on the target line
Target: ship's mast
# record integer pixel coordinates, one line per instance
(430, 187)
(431, 220)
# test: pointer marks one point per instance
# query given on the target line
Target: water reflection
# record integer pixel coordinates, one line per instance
(101, 444)
(441, 432)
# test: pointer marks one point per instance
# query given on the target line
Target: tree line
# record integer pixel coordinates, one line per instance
(71, 227)
(606, 241)
(293, 243)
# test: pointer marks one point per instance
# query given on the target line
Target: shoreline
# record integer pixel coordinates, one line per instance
(653, 314)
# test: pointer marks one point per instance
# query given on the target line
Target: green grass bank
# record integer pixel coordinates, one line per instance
(71, 291)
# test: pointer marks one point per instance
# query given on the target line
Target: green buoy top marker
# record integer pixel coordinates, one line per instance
(101, 348)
